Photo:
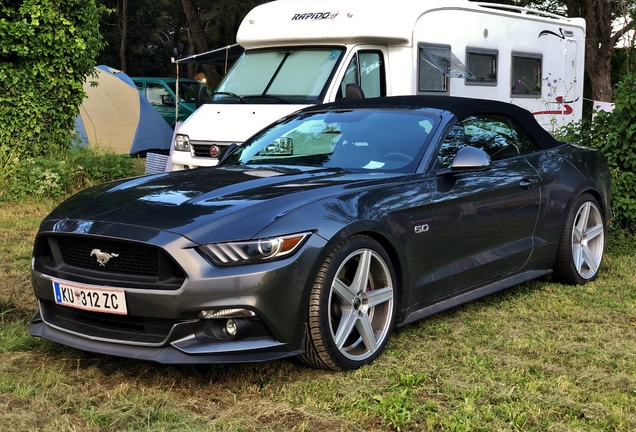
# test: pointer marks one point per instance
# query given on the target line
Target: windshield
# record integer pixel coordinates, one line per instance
(363, 139)
(295, 74)
(187, 91)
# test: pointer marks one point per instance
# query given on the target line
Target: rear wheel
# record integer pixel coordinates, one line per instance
(352, 307)
(582, 243)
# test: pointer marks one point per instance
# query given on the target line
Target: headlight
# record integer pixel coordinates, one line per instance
(253, 251)
(182, 142)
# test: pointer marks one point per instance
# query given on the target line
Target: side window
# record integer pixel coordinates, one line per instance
(525, 144)
(154, 93)
(497, 135)
(433, 60)
(526, 75)
(455, 140)
(372, 73)
(483, 66)
(367, 70)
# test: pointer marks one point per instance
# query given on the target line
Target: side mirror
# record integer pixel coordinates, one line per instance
(167, 100)
(470, 159)
(227, 151)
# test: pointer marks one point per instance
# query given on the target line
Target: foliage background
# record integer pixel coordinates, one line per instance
(47, 49)
(614, 133)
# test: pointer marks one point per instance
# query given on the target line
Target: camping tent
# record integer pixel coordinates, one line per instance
(116, 116)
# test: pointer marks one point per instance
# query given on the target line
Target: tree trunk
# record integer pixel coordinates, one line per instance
(124, 35)
(196, 33)
(599, 42)
(230, 22)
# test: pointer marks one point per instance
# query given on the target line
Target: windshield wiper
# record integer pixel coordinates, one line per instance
(234, 95)
(267, 96)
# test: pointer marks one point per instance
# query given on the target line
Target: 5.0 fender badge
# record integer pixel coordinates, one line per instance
(103, 257)
(421, 229)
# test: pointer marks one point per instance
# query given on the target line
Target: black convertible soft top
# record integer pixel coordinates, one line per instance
(458, 106)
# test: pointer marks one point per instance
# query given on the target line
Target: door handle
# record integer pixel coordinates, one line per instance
(529, 183)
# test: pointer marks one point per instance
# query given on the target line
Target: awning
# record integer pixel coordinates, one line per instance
(223, 57)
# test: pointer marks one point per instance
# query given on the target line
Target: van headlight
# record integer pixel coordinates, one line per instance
(182, 142)
(253, 251)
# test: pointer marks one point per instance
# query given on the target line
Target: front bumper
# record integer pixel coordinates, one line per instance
(163, 325)
(183, 346)
(181, 160)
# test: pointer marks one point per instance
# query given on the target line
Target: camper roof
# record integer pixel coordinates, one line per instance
(294, 22)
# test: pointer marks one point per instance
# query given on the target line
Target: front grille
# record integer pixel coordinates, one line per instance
(127, 258)
(107, 326)
(127, 264)
(202, 148)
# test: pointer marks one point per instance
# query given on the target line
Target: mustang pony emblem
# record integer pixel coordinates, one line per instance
(103, 257)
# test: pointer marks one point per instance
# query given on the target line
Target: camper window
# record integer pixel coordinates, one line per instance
(367, 70)
(433, 61)
(483, 65)
(526, 75)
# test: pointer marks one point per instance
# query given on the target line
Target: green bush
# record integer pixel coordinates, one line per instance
(62, 173)
(614, 133)
(47, 49)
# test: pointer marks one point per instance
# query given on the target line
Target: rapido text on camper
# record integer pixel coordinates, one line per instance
(314, 16)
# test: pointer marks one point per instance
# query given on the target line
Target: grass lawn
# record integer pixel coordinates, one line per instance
(537, 357)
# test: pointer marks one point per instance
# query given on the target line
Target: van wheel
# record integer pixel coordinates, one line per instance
(352, 307)
(582, 243)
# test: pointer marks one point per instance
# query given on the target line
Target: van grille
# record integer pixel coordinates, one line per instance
(202, 148)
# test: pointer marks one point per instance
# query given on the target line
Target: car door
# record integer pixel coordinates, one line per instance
(482, 221)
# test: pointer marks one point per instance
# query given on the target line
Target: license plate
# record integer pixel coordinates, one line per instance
(107, 300)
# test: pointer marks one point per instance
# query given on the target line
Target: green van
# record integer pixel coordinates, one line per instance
(161, 94)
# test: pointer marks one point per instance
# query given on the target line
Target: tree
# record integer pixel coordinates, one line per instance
(140, 36)
(47, 50)
(600, 40)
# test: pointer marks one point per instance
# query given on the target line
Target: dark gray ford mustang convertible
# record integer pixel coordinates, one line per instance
(320, 234)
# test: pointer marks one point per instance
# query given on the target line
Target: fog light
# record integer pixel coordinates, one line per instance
(231, 328)
(236, 328)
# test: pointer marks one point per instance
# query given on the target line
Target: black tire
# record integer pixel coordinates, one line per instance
(582, 242)
(352, 307)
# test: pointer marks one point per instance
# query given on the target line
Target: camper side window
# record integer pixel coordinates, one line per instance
(434, 61)
(367, 70)
(526, 75)
(483, 66)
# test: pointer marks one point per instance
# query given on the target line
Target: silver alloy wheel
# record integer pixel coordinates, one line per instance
(361, 304)
(588, 240)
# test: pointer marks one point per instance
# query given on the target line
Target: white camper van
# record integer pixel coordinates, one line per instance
(300, 52)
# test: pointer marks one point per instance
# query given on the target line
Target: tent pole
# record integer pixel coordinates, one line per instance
(176, 91)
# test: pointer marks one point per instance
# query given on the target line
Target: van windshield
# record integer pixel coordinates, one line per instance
(296, 75)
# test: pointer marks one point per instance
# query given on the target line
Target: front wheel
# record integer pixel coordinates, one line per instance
(582, 243)
(352, 306)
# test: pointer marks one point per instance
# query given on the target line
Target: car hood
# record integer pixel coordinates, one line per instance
(212, 204)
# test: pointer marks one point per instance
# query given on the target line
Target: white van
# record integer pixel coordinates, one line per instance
(300, 52)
